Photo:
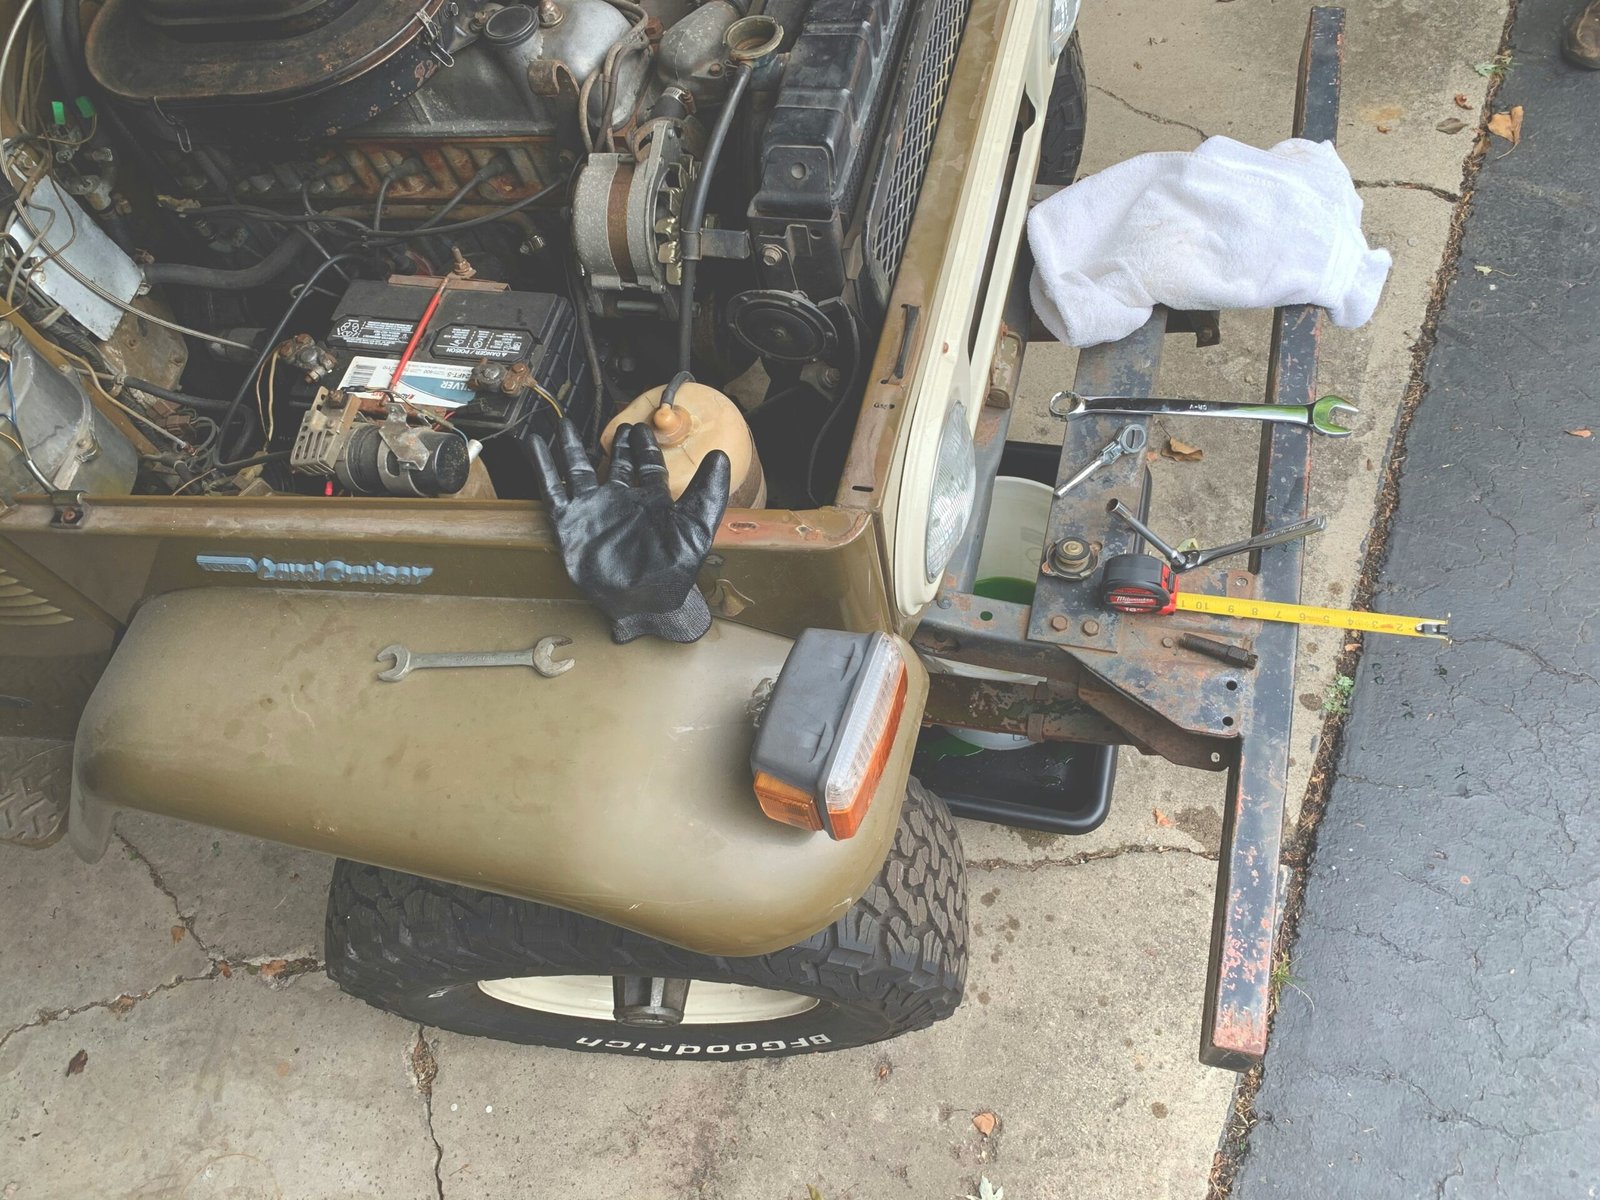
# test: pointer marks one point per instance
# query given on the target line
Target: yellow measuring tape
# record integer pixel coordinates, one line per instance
(1309, 614)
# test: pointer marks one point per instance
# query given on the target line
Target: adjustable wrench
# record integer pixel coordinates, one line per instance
(540, 658)
(1319, 416)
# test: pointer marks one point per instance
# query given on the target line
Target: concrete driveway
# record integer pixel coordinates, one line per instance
(182, 974)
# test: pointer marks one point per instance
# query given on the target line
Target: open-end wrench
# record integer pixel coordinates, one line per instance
(1319, 416)
(541, 658)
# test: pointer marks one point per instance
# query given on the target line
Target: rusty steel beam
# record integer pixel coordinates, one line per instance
(1045, 712)
(1193, 727)
(1239, 991)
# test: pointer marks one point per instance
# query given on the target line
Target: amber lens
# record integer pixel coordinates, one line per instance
(786, 803)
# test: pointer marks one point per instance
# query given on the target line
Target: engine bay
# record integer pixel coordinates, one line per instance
(372, 247)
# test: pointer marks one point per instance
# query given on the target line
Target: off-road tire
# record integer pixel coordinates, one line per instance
(1066, 118)
(896, 962)
(34, 778)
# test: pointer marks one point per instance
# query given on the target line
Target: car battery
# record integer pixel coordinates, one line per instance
(499, 360)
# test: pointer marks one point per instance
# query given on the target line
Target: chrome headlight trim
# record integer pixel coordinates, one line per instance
(1063, 20)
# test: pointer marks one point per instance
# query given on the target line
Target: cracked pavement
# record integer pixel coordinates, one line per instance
(1440, 1036)
(1089, 954)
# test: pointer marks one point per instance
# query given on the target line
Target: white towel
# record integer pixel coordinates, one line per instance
(1224, 226)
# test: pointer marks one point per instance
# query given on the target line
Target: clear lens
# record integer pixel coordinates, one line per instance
(1063, 16)
(955, 480)
(865, 725)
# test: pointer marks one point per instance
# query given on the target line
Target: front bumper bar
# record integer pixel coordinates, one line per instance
(1115, 679)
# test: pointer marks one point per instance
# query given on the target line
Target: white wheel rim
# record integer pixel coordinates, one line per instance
(590, 997)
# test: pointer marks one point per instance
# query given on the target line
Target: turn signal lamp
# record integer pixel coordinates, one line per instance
(829, 729)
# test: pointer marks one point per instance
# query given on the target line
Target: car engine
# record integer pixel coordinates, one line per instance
(402, 237)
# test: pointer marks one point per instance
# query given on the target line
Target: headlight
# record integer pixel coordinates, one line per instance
(955, 479)
(1063, 17)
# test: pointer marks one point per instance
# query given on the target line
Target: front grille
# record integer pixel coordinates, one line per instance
(930, 62)
(20, 605)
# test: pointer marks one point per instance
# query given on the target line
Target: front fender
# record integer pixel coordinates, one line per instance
(621, 789)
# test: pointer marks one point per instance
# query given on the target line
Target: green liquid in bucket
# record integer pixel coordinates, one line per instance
(1007, 588)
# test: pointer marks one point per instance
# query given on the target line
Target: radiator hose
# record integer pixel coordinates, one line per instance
(751, 42)
(227, 279)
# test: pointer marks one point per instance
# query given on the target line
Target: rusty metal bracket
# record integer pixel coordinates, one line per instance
(1041, 712)
(70, 510)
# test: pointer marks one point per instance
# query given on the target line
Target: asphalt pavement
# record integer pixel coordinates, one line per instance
(1437, 1033)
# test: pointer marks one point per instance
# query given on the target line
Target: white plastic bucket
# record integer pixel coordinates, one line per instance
(1013, 539)
(1008, 566)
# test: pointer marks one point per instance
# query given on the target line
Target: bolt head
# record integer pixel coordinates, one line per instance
(1091, 627)
(773, 256)
(1168, 643)
(1059, 623)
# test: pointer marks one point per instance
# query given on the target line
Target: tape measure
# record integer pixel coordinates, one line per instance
(1139, 583)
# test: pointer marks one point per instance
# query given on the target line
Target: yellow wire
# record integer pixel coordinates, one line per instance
(272, 400)
(548, 399)
(261, 412)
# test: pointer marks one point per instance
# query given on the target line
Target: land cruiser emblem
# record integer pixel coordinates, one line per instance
(316, 571)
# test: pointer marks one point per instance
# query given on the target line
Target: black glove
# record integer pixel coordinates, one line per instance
(626, 545)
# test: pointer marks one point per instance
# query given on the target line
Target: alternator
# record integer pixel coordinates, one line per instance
(625, 215)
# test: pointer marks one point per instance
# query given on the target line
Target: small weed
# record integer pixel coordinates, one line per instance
(1495, 68)
(1336, 700)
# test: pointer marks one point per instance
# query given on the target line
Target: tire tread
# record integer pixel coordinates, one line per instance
(35, 775)
(902, 947)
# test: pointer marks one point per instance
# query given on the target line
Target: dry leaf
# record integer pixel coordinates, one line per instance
(883, 1070)
(177, 933)
(224, 968)
(123, 1003)
(1384, 128)
(1507, 125)
(1451, 125)
(812, 1193)
(985, 1122)
(1161, 818)
(79, 1061)
(1465, 879)
(1581, 432)
(1352, 645)
(274, 968)
(1463, 102)
(1181, 451)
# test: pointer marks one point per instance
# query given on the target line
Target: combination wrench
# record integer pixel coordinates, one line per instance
(1321, 416)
